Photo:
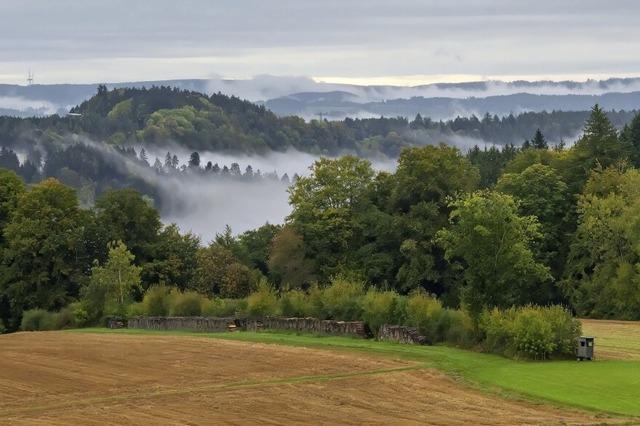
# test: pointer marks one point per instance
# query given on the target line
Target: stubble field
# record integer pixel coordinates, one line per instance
(111, 378)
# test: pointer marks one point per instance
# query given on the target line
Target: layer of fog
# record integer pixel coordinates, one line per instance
(31, 106)
(265, 87)
(204, 203)
(39, 100)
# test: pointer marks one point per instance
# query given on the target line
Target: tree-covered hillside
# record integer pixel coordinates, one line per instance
(548, 225)
(158, 116)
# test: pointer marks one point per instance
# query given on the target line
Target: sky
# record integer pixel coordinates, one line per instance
(404, 42)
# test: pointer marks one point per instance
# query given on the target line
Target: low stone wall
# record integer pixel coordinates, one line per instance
(181, 323)
(401, 334)
(310, 325)
(302, 325)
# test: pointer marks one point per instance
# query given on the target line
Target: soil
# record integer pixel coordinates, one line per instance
(61, 378)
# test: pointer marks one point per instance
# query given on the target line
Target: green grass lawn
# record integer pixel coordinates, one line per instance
(610, 386)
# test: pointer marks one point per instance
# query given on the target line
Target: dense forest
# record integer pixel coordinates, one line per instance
(555, 226)
(101, 144)
(134, 116)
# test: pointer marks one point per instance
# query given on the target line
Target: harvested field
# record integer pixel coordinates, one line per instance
(614, 339)
(84, 378)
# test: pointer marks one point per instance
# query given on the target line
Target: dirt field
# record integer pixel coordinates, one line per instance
(78, 378)
(614, 339)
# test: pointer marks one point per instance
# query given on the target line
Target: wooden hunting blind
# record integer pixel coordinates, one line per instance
(585, 348)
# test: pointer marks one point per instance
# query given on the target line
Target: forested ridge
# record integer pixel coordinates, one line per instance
(558, 226)
(218, 122)
(101, 145)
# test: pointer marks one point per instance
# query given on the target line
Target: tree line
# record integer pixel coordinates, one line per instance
(161, 115)
(558, 226)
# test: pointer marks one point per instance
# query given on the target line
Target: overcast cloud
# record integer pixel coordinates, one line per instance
(364, 41)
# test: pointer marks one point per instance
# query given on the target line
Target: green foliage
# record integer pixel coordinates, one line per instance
(598, 147)
(156, 301)
(124, 215)
(381, 307)
(185, 304)
(136, 310)
(426, 313)
(542, 193)
(630, 138)
(37, 320)
(295, 303)
(173, 258)
(2, 327)
(603, 271)
(325, 205)
(43, 261)
(423, 181)
(340, 300)
(253, 246)
(118, 276)
(530, 332)
(288, 263)
(11, 188)
(220, 273)
(263, 302)
(492, 243)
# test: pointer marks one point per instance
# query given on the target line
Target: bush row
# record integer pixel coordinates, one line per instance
(525, 332)
(342, 300)
(72, 316)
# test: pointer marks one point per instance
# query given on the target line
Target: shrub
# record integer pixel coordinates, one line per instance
(36, 320)
(341, 299)
(263, 302)
(530, 332)
(532, 335)
(185, 304)
(427, 314)
(380, 308)
(461, 331)
(234, 307)
(62, 319)
(316, 308)
(295, 303)
(156, 301)
(212, 307)
(136, 310)
(2, 328)
(495, 326)
(566, 329)
(80, 314)
(223, 307)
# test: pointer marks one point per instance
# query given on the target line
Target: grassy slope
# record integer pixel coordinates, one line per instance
(611, 386)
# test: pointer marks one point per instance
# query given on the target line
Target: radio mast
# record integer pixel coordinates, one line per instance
(29, 78)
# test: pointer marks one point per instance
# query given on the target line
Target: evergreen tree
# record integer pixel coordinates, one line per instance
(631, 139)
(194, 160)
(539, 142)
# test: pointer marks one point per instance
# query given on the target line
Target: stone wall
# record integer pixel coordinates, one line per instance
(401, 334)
(181, 323)
(302, 325)
(310, 325)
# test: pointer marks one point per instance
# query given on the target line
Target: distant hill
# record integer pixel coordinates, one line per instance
(309, 99)
(43, 99)
(338, 105)
(162, 116)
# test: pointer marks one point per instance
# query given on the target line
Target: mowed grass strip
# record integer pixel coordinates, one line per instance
(610, 386)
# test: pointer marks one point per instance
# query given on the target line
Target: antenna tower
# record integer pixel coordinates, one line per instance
(29, 78)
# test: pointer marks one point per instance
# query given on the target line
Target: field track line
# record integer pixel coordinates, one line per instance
(218, 387)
